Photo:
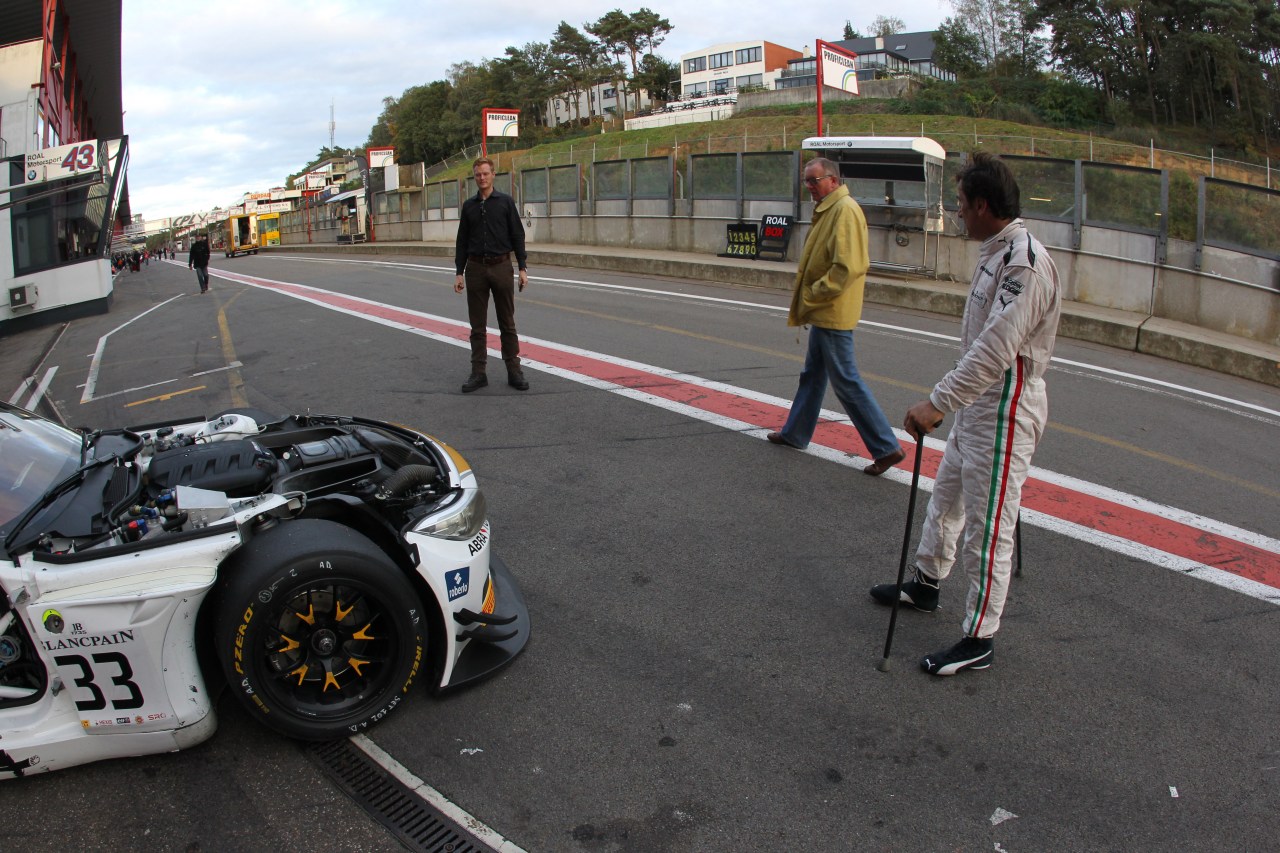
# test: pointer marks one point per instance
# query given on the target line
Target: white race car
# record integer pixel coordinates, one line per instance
(319, 564)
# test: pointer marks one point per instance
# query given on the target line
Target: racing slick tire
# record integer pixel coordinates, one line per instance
(319, 633)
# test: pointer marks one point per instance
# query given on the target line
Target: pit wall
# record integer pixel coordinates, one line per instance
(1233, 293)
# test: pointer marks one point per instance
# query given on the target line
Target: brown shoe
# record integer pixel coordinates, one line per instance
(474, 381)
(776, 438)
(884, 463)
(517, 381)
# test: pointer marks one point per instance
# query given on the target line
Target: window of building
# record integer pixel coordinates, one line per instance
(720, 86)
(698, 63)
(695, 89)
(750, 80)
(609, 93)
(795, 82)
(749, 54)
(722, 60)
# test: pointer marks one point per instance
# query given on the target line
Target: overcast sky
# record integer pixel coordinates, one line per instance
(231, 97)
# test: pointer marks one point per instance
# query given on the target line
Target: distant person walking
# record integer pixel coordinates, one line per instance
(489, 233)
(830, 278)
(199, 261)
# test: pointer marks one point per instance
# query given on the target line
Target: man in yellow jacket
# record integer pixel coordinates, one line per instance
(828, 298)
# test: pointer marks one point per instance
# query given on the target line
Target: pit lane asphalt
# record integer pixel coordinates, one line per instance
(697, 679)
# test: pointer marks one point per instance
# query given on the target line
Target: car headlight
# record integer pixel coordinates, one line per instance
(461, 520)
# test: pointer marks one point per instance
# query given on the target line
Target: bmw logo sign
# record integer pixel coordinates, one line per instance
(31, 174)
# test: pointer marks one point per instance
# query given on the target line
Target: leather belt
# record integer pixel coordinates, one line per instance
(489, 260)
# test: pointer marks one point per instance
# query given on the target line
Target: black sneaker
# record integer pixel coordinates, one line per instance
(517, 381)
(969, 653)
(921, 592)
(476, 380)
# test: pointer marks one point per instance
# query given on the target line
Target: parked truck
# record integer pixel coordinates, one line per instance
(242, 234)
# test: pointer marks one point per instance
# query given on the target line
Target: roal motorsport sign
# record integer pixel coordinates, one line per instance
(65, 161)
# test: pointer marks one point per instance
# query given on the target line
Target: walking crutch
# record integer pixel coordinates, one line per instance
(883, 666)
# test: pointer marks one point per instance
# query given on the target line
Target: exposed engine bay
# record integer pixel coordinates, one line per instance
(142, 483)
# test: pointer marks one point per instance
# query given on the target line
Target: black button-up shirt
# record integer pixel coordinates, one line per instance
(489, 227)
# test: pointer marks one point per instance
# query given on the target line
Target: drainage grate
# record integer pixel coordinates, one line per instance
(418, 824)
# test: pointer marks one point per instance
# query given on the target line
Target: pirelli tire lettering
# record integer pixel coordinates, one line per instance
(338, 645)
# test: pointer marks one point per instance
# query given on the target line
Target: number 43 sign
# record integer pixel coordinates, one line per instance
(65, 161)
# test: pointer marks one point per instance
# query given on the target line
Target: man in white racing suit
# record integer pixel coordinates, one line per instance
(997, 393)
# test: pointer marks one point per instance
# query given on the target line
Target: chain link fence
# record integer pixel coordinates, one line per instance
(682, 144)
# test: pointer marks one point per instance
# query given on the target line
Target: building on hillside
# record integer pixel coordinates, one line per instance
(600, 100)
(879, 57)
(63, 201)
(333, 172)
(724, 68)
(276, 200)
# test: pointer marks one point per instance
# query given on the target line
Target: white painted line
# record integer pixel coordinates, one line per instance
(232, 366)
(41, 388)
(96, 364)
(777, 309)
(1161, 383)
(433, 797)
(22, 389)
(133, 390)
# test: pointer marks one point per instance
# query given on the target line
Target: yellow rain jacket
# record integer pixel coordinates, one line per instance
(833, 265)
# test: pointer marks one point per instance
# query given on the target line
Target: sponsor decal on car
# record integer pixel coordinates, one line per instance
(88, 641)
(479, 542)
(459, 582)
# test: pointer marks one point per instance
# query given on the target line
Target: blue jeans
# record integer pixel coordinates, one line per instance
(830, 356)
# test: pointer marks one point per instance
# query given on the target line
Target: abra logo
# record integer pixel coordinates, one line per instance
(479, 541)
(459, 581)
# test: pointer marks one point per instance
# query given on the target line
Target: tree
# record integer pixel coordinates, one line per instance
(659, 77)
(383, 130)
(1213, 63)
(887, 25)
(426, 130)
(1023, 53)
(849, 32)
(999, 35)
(651, 30)
(575, 62)
(992, 22)
(618, 36)
(525, 75)
(956, 49)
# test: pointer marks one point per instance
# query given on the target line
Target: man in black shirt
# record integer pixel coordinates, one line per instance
(489, 233)
(199, 261)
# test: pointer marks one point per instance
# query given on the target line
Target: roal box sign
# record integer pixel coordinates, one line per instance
(64, 161)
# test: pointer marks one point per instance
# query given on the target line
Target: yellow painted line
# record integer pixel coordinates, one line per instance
(168, 396)
(234, 380)
(1166, 459)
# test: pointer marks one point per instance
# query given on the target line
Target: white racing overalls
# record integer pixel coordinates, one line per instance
(997, 392)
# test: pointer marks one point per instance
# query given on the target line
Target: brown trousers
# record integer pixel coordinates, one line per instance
(498, 279)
